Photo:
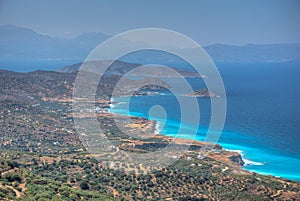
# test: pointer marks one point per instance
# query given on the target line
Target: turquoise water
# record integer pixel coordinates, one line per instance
(262, 115)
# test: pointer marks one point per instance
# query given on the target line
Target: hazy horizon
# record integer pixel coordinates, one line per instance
(80, 34)
(207, 22)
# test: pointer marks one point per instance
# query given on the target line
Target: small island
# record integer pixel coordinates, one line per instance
(204, 93)
(146, 93)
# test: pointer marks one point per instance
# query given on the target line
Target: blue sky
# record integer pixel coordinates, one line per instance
(206, 21)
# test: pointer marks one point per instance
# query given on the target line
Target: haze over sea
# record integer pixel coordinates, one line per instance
(262, 115)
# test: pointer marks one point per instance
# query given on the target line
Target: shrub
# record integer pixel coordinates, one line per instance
(17, 177)
(84, 185)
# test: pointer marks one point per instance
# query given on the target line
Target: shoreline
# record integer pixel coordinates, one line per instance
(246, 161)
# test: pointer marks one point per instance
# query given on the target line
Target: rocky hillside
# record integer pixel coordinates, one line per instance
(42, 157)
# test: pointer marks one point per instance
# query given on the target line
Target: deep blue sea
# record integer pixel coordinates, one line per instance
(263, 115)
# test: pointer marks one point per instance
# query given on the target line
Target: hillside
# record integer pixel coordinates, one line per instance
(43, 158)
(117, 68)
(120, 68)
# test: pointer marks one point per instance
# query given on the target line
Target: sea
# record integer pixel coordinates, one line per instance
(262, 120)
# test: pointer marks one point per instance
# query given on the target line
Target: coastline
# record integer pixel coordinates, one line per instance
(157, 129)
(246, 161)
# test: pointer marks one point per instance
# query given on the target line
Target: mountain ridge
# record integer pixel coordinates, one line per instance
(19, 45)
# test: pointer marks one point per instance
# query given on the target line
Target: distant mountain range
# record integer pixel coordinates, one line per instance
(16, 42)
(22, 44)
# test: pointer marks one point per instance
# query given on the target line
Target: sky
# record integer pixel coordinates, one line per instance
(234, 22)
